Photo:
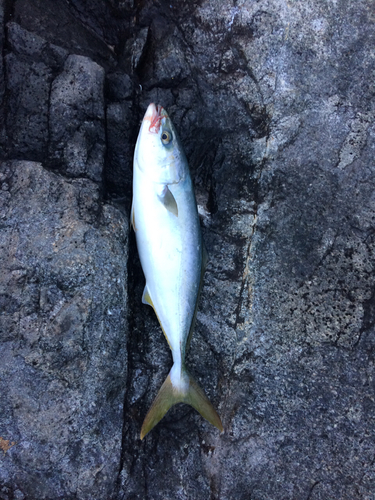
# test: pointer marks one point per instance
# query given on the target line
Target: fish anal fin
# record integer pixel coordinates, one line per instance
(169, 201)
(146, 299)
(132, 219)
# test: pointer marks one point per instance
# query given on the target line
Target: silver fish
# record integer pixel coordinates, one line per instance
(169, 241)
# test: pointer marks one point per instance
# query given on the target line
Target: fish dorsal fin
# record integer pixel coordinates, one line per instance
(169, 201)
(203, 270)
(146, 299)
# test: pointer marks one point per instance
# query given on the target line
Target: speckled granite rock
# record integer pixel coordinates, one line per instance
(274, 103)
(63, 334)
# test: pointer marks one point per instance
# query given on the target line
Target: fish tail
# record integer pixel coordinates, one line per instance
(198, 400)
(179, 387)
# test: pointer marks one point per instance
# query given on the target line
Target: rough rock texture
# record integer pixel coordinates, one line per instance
(63, 348)
(274, 102)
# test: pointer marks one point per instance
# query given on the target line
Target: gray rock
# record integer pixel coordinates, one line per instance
(135, 49)
(274, 105)
(63, 334)
(31, 65)
(281, 150)
(76, 126)
(2, 80)
(119, 86)
(70, 26)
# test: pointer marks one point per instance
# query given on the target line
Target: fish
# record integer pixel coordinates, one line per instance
(165, 219)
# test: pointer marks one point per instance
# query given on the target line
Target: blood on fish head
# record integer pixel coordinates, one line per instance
(158, 152)
(155, 114)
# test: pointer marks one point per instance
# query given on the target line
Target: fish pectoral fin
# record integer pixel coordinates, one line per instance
(184, 391)
(146, 299)
(169, 201)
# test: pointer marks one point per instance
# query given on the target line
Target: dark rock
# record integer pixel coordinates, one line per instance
(274, 105)
(29, 45)
(59, 23)
(2, 82)
(120, 146)
(119, 86)
(77, 142)
(31, 66)
(135, 49)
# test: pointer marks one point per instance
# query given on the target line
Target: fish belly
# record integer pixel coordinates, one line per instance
(169, 247)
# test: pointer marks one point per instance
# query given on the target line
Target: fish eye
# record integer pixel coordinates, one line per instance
(166, 137)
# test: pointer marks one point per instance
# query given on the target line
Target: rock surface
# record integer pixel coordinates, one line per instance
(63, 334)
(274, 102)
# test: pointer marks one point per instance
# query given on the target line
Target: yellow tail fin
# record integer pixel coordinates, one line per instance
(186, 390)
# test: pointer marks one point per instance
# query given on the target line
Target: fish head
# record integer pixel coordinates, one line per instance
(158, 152)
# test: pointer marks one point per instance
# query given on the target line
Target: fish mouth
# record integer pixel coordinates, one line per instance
(155, 114)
